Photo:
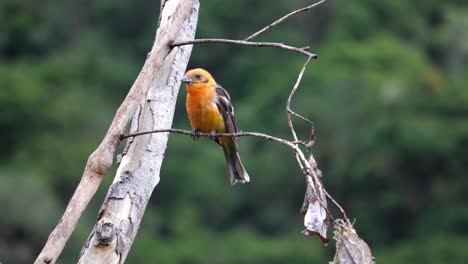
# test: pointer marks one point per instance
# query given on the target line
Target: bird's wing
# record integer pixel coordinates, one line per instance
(223, 101)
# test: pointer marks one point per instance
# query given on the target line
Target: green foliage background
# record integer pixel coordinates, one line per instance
(388, 95)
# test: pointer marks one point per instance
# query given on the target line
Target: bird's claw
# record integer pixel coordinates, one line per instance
(195, 134)
(212, 134)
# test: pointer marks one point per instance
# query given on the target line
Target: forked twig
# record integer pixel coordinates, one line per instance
(300, 117)
(293, 91)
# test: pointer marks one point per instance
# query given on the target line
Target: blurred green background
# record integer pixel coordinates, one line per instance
(388, 95)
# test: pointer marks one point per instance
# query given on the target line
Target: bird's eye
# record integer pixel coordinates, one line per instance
(198, 76)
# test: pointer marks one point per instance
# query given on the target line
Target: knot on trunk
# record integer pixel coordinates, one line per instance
(105, 233)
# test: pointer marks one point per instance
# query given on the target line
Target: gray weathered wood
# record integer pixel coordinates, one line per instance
(174, 15)
(138, 174)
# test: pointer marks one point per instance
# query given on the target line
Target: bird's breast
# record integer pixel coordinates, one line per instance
(204, 114)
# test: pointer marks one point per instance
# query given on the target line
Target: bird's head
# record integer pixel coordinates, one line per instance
(198, 77)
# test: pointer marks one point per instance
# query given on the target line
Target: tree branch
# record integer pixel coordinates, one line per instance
(302, 51)
(295, 12)
(293, 91)
(288, 143)
(291, 144)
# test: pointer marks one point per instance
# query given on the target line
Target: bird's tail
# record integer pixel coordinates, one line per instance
(236, 170)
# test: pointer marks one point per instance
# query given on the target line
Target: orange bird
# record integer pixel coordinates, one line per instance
(210, 110)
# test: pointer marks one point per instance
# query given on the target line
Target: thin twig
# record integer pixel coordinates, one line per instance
(300, 116)
(337, 205)
(293, 91)
(191, 133)
(238, 134)
(302, 51)
(300, 142)
(299, 154)
(292, 144)
(312, 174)
(295, 12)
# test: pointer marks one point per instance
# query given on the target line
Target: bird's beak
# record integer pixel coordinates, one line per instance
(187, 79)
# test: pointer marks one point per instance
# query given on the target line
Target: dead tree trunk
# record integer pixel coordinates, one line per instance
(138, 174)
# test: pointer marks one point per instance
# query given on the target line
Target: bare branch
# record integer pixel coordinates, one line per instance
(302, 51)
(293, 91)
(239, 134)
(315, 203)
(301, 159)
(254, 35)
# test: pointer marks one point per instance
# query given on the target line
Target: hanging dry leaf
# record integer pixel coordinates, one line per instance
(316, 219)
(350, 248)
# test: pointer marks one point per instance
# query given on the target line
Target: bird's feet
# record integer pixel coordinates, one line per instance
(195, 134)
(212, 134)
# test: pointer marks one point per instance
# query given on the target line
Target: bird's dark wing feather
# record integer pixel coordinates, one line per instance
(236, 170)
(223, 101)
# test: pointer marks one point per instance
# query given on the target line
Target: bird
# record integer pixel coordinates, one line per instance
(210, 110)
